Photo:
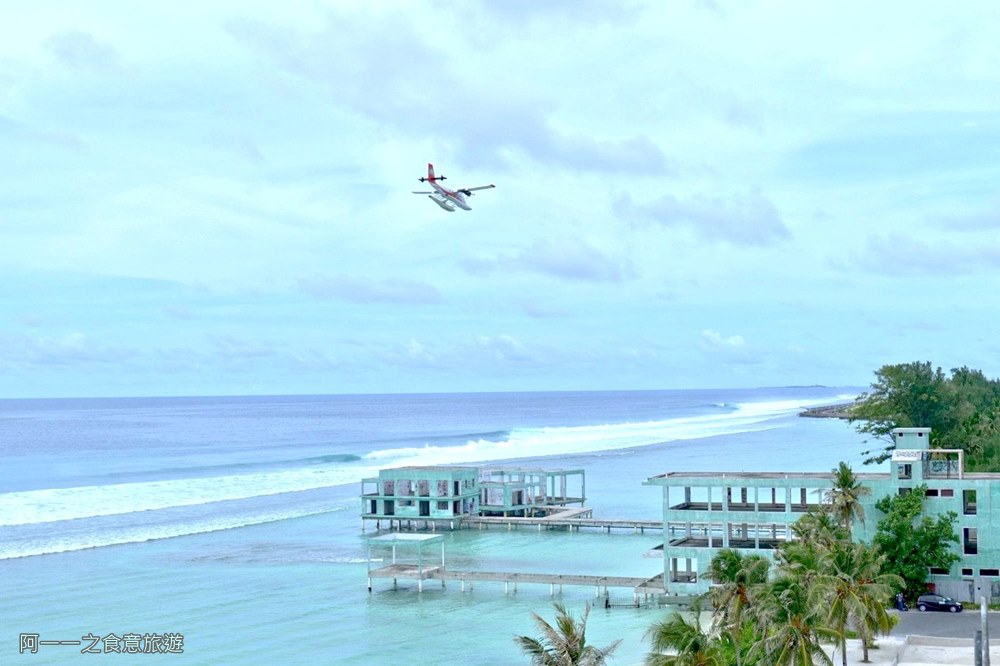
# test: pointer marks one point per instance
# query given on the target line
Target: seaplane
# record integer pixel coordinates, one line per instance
(444, 197)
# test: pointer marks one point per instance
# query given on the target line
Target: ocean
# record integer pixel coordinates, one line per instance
(229, 527)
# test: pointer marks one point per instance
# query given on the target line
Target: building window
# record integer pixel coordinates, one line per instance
(905, 491)
(931, 492)
(989, 572)
(904, 470)
(969, 502)
(947, 492)
(970, 543)
(442, 506)
(683, 570)
(939, 571)
(967, 571)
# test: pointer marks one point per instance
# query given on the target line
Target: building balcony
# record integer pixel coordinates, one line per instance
(794, 507)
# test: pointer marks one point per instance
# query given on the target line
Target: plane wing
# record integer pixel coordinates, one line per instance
(467, 191)
(424, 192)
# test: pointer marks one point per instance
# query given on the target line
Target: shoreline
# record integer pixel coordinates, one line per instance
(838, 411)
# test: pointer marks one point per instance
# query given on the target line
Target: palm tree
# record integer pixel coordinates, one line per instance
(736, 578)
(793, 625)
(819, 528)
(801, 560)
(857, 593)
(689, 643)
(564, 644)
(845, 496)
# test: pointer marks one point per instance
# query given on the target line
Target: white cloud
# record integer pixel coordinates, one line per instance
(567, 258)
(714, 340)
(749, 219)
(81, 50)
(696, 162)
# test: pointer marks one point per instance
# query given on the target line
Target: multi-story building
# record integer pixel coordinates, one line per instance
(523, 491)
(425, 494)
(435, 496)
(753, 512)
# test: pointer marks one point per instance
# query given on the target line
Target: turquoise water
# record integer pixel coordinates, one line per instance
(293, 589)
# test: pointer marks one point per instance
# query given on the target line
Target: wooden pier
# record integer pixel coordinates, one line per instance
(601, 584)
(561, 517)
(553, 517)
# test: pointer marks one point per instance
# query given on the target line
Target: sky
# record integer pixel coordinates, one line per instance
(216, 198)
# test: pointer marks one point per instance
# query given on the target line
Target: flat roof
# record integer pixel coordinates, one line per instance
(404, 536)
(435, 468)
(764, 475)
(536, 470)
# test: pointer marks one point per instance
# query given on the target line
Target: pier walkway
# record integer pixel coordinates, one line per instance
(638, 585)
(561, 517)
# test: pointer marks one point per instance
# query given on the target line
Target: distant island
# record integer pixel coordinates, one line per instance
(840, 411)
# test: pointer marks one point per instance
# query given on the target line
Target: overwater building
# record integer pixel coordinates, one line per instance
(704, 512)
(441, 496)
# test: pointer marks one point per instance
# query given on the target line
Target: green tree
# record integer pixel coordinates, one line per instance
(845, 496)
(856, 593)
(913, 542)
(973, 392)
(963, 410)
(564, 644)
(792, 624)
(686, 640)
(802, 560)
(819, 528)
(737, 579)
(903, 396)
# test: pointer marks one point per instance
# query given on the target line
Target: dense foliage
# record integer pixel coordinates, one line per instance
(962, 410)
(913, 542)
(821, 587)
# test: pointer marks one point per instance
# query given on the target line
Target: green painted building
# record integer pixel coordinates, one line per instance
(427, 495)
(434, 496)
(752, 512)
(522, 491)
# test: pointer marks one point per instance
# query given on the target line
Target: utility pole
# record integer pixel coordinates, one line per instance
(986, 631)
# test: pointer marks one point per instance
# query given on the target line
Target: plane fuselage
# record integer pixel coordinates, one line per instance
(445, 198)
(450, 196)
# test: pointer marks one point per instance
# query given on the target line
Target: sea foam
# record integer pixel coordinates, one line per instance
(39, 506)
(57, 504)
(570, 440)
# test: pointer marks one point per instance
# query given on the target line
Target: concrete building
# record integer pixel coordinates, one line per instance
(428, 495)
(440, 496)
(522, 491)
(753, 512)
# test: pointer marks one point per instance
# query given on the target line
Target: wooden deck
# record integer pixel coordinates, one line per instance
(572, 519)
(638, 585)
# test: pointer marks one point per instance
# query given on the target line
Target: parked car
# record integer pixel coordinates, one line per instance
(935, 602)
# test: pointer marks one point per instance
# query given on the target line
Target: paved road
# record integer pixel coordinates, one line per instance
(948, 625)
